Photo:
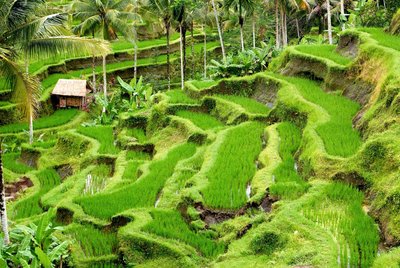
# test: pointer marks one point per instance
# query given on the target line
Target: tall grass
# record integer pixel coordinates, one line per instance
(340, 211)
(288, 183)
(131, 169)
(179, 96)
(324, 51)
(104, 135)
(202, 120)
(59, 118)
(93, 242)
(137, 133)
(338, 135)
(11, 162)
(383, 38)
(233, 167)
(30, 206)
(141, 193)
(250, 105)
(170, 224)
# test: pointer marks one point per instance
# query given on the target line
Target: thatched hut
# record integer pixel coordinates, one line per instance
(70, 93)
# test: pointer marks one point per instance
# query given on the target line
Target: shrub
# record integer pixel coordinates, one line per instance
(266, 243)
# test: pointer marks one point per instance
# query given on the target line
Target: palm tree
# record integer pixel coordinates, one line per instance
(27, 31)
(164, 9)
(328, 10)
(106, 17)
(3, 208)
(241, 6)
(221, 39)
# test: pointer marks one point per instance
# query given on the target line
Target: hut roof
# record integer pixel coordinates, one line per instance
(70, 87)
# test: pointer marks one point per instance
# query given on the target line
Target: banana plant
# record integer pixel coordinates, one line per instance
(139, 92)
(34, 246)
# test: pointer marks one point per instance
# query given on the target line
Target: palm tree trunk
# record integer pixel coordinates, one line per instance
(241, 22)
(282, 28)
(135, 39)
(297, 28)
(94, 73)
(342, 13)
(219, 30)
(167, 28)
(184, 29)
(277, 31)
(104, 80)
(285, 26)
(192, 47)
(3, 207)
(182, 67)
(30, 107)
(328, 8)
(254, 31)
(205, 40)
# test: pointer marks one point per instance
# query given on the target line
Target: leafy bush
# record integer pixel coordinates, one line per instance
(266, 243)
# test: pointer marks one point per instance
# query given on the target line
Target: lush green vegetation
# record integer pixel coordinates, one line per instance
(178, 96)
(203, 121)
(104, 135)
(92, 241)
(11, 162)
(142, 193)
(250, 105)
(324, 51)
(288, 183)
(338, 134)
(233, 167)
(383, 38)
(30, 206)
(59, 118)
(171, 225)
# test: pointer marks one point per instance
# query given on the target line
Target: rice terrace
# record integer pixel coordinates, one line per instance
(200, 133)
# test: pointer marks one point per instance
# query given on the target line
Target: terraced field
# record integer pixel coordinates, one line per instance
(223, 173)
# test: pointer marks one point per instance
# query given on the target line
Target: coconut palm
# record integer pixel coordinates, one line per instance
(221, 39)
(28, 32)
(105, 16)
(241, 7)
(3, 209)
(164, 9)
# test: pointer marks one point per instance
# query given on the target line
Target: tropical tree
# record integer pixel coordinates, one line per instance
(3, 208)
(221, 39)
(164, 9)
(329, 19)
(108, 17)
(28, 32)
(241, 7)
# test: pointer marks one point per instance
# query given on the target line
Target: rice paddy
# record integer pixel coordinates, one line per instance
(325, 52)
(202, 120)
(233, 167)
(104, 135)
(250, 105)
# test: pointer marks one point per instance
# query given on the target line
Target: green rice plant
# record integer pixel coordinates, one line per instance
(250, 105)
(137, 133)
(338, 135)
(202, 120)
(44, 144)
(324, 51)
(131, 170)
(136, 155)
(179, 96)
(143, 192)
(97, 179)
(59, 118)
(203, 84)
(234, 166)
(92, 241)
(383, 38)
(104, 135)
(339, 209)
(11, 162)
(170, 224)
(288, 183)
(30, 206)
